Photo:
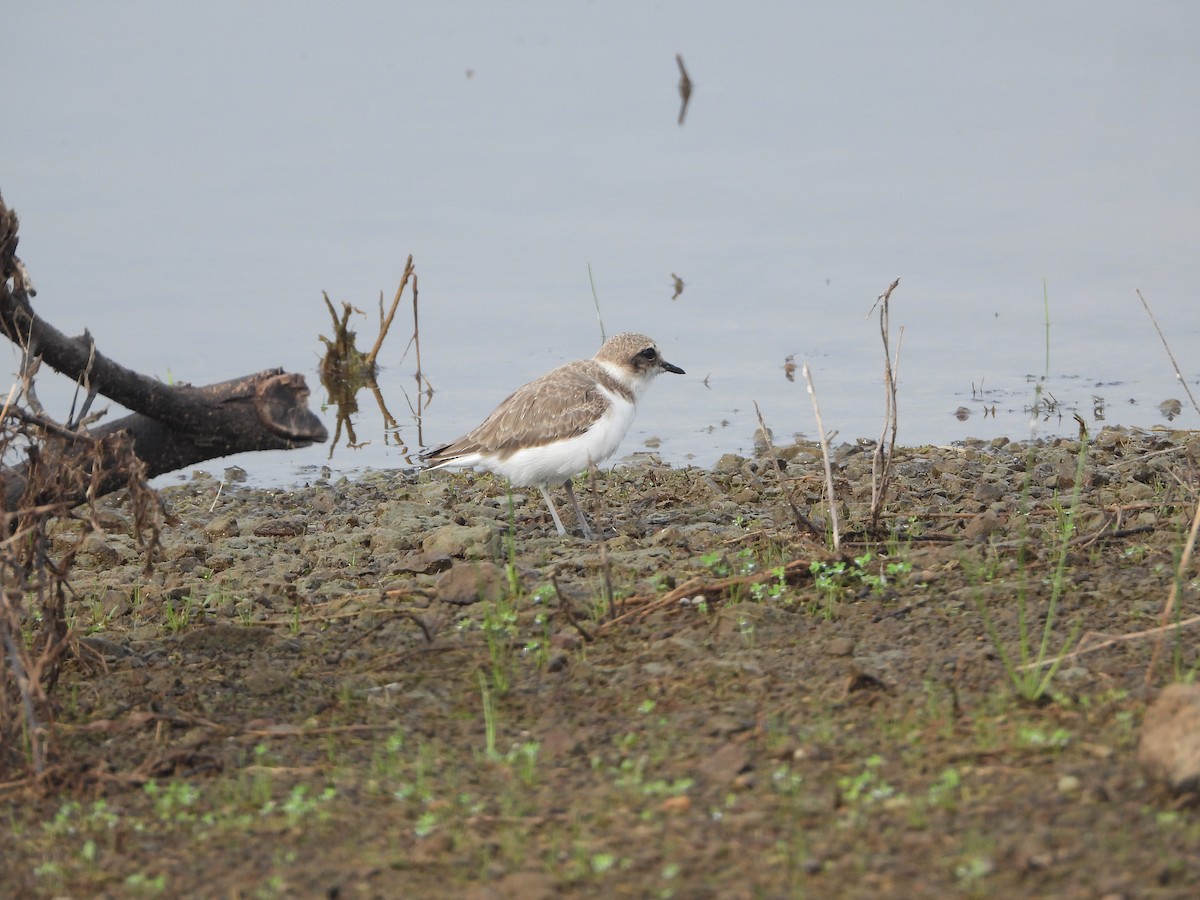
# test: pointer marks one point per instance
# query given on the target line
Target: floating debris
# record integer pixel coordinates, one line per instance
(685, 88)
(1170, 409)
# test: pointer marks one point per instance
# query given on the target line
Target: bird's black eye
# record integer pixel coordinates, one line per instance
(649, 353)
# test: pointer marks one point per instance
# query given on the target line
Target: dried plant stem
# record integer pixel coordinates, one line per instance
(833, 516)
(385, 322)
(26, 685)
(596, 301)
(1085, 646)
(420, 376)
(803, 522)
(1173, 597)
(1160, 631)
(605, 562)
(1170, 356)
(881, 459)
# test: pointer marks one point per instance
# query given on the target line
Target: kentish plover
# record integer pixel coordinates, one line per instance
(558, 425)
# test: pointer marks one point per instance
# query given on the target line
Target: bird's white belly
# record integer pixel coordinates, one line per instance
(555, 463)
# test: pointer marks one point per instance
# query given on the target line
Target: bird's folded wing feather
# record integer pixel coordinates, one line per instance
(555, 407)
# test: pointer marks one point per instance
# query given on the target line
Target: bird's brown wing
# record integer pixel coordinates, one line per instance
(557, 406)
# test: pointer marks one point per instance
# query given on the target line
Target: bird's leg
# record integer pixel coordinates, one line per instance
(583, 522)
(553, 512)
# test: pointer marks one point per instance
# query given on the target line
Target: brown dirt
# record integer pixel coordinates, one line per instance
(297, 702)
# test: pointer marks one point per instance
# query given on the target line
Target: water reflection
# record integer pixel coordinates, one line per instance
(345, 370)
(1170, 409)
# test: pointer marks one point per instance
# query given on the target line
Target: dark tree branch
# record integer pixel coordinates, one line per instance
(172, 426)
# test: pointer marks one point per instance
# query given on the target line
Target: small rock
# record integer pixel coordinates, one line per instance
(106, 648)
(1170, 743)
(989, 491)
(323, 502)
(289, 526)
(1136, 491)
(115, 603)
(455, 540)
(423, 563)
(677, 805)
(723, 766)
(729, 464)
(222, 526)
(558, 742)
(762, 439)
(567, 640)
(1069, 784)
(469, 583)
(102, 554)
(226, 638)
(841, 646)
(981, 526)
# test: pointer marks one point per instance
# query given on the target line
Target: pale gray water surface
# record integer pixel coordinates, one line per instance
(190, 177)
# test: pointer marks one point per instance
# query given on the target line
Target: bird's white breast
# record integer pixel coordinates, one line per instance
(551, 464)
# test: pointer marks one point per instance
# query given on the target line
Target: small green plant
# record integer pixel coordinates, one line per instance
(522, 759)
(745, 627)
(72, 819)
(944, 792)
(1036, 739)
(772, 590)
(179, 616)
(299, 806)
(100, 617)
(715, 562)
(489, 716)
(603, 862)
(863, 792)
(175, 803)
(1032, 669)
(973, 869)
(836, 578)
(499, 627)
(141, 883)
(510, 549)
(538, 645)
(743, 562)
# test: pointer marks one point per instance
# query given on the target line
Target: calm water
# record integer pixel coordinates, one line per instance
(191, 178)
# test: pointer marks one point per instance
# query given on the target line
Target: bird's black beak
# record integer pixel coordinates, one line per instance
(670, 368)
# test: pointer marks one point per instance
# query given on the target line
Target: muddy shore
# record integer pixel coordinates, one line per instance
(409, 685)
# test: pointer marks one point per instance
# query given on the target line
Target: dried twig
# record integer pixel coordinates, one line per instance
(386, 322)
(605, 562)
(881, 459)
(1170, 356)
(833, 517)
(568, 611)
(1085, 647)
(803, 522)
(640, 606)
(1169, 608)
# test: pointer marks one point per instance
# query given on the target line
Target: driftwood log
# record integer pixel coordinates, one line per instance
(172, 426)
